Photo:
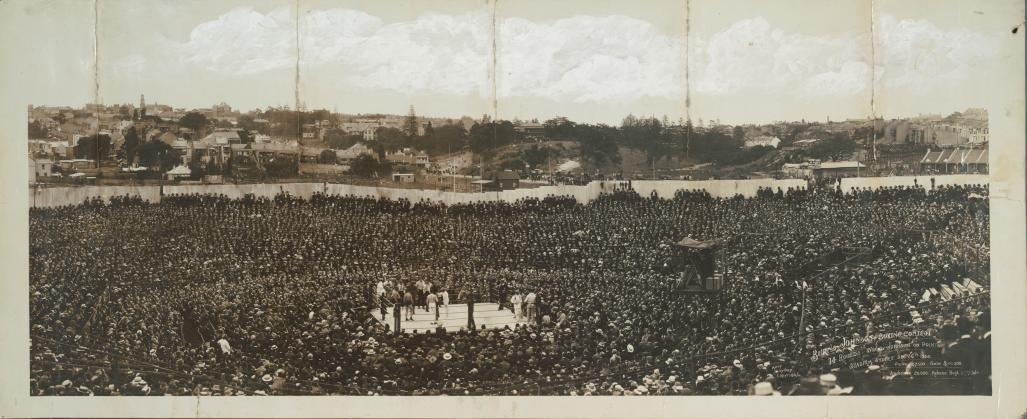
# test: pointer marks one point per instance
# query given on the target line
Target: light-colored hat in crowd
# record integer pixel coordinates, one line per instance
(764, 388)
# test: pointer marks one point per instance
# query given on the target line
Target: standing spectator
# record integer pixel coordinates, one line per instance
(516, 301)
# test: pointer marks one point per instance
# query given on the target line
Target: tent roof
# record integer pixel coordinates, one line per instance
(955, 156)
(180, 170)
(932, 157)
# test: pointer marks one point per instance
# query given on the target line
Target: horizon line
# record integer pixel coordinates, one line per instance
(823, 119)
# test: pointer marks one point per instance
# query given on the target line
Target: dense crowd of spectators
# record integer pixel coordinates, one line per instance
(203, 295)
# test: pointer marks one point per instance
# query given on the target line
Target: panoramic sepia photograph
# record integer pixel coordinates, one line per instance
(511, 198)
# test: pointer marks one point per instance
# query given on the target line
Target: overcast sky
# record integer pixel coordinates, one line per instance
(739, 61)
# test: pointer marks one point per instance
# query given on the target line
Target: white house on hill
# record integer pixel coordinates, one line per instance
(763, 140)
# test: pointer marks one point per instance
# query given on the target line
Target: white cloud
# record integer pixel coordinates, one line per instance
(433, 53)
(580, 59)
(918, 54)
(243, 41)
(752, 56)
(588, 59)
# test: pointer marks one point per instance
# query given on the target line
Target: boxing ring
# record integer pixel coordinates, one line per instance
(485, 314)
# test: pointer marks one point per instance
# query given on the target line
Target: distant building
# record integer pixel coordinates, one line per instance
(222, 137)
(409, 157)
(531, 130)
(897, 131)
(763, 140)
(847, 128)
(956, 160)
(76, 164)
(499, 181)
(311, 131)
(179, 172)
(422, 160)
(967, 127)
(370, 133)
(949, 135)
(836, 169)
(167, 138)
(403, 177)
(290, 148)
(365, 128)
(797, 170)
(504, 180)
(222, 109)
(356, 150)
(807, 143)
(312, 154)
(46, 122)
(61, 150)
(157, 110)
(39, 168)
(42, 147)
